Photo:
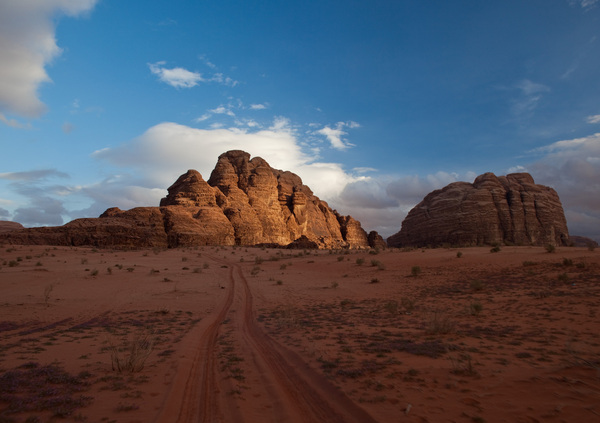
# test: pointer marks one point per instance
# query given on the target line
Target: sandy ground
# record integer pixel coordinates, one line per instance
(257, 335)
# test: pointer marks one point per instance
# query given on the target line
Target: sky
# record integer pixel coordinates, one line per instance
(373, 104)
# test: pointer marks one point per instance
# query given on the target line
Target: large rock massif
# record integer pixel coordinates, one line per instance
(508, 209)
(244, 202)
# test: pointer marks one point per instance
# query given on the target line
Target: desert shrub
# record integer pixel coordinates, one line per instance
(360, 261)
(408, 304)
(475, 308)
(495, 249)
(334, 285)
(340, 258)
(133, 355)
(13, 263)
(374, 280)
(459, 254)
(415, 271)
(528, 263)
(440, 323)
(591, 246)
(94, 272)
(391, 306)
(280, 282)
(567, 262)
(462, 365)
(374, 263)
(476, 285)
(563, 277)
(47, 292)
(550, 248)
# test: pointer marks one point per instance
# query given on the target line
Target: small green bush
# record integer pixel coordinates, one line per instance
(550, 248)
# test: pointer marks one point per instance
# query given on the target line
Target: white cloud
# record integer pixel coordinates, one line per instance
(167, 150)
(258, 106)
(175, 77)
(335, 136)
(593, 119)
(222, 110)
(27, 45)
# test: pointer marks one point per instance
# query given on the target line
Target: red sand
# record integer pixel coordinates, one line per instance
(246, 334)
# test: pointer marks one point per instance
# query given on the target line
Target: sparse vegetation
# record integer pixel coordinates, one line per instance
(440, 323)
(132, 356)
(415, 271)
(550, 248)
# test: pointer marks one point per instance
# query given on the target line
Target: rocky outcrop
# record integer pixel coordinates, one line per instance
(8, 226)
(508, 209)
(244, 202)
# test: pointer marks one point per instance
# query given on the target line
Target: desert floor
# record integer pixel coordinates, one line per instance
(217, 334)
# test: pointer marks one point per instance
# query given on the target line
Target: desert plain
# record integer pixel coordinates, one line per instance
(236, 334)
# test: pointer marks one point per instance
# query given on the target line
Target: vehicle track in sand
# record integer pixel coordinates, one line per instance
(282, 387)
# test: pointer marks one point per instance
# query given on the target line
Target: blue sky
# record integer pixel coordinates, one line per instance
(374, 104)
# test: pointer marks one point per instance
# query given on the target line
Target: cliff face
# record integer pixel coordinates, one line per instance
(508, 209)
(244, 202)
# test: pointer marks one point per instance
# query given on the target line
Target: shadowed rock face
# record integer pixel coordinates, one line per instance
(244, 202)
(508, 209)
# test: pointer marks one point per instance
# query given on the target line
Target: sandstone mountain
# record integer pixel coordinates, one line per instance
(244, 202)
(508, 209)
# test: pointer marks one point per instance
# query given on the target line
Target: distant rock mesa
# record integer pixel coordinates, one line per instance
(244, 202)
(510, 210)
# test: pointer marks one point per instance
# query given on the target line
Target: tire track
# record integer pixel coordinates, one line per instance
(301, 394)
(195, 391)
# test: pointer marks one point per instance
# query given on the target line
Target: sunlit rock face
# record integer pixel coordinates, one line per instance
(244, 202)
(510, 209)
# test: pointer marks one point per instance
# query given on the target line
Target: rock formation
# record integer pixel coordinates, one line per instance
(508, 209)
(7, 226)
(244, 202)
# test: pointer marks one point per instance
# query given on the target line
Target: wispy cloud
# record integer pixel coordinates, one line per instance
(530, 95)
(28, 44)
(179, 77)
(175, 77)
(585, 4)
(258, 106)
(335, 135)
(33, 175)
(13, 123)
(593, 119)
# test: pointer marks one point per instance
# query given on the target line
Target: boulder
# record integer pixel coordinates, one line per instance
(508, 209)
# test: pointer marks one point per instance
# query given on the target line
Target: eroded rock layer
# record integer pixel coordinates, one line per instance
(244, 202)
(510, 209)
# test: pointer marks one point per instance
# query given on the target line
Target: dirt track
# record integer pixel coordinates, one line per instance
(285, 388)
